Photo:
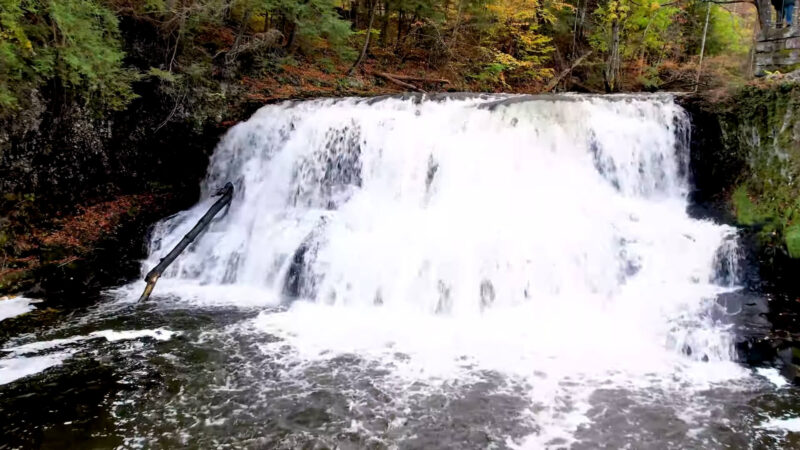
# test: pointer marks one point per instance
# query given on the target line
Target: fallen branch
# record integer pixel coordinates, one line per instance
(226, 195)
(586, 88)
(413, 78)
(554, 82)
(394, 80)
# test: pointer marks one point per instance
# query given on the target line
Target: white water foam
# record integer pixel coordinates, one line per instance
(16, 306)
(773, 376)
(544, 239)
(12, 369)
(791, 424)
(159, 334)
(25, 360)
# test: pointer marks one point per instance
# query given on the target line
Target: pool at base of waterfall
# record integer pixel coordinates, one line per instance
(453, 272)
(175, 375)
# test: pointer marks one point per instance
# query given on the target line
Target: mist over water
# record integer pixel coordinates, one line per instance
(544, 241)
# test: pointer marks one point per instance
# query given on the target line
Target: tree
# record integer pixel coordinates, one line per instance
(515, 49)
(73, 43)
(613, 16)
(367, 35)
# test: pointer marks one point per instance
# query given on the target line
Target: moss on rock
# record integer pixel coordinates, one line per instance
(762, 126)
(793, 240)
(14, 280)
(744, 208)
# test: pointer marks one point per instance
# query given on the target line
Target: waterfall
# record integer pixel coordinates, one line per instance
(727, 262)
(452, 205)
(520, 234)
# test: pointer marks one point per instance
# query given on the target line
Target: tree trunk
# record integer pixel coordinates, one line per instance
(400, 16)
(413, 78)
(554, 82)
(280, 24)
(642, 50)
(229, 59)
(764, 10)
(364, 49)
(455, 26)
(702, 48)
(290, 43)
(398, 82)
(177, 42)
(613, 62)
(385, 23)
(579, 29)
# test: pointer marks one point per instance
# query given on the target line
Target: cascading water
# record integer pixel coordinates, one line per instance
(544, 239)
(459, 271)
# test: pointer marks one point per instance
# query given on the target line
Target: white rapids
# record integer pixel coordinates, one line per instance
(13, 307)
(545, 239)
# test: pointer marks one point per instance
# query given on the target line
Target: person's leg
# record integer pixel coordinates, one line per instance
(787, 14)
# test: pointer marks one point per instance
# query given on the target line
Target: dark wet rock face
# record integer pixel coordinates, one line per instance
(764, 313)
(66, 156)
(58, 158)
(748, 316)
(745, 144)
(301, 281)
(713, 167)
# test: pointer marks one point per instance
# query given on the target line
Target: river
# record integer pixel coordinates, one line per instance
(408, 272)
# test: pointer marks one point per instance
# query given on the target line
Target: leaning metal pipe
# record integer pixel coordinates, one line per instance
(152, 277)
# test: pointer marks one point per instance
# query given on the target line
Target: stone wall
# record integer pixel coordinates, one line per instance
(777, 49)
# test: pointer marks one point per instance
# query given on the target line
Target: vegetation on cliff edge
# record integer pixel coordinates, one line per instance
(96, 51)
(762, 129)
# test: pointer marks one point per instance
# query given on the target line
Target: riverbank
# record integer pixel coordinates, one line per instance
(70, 258)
